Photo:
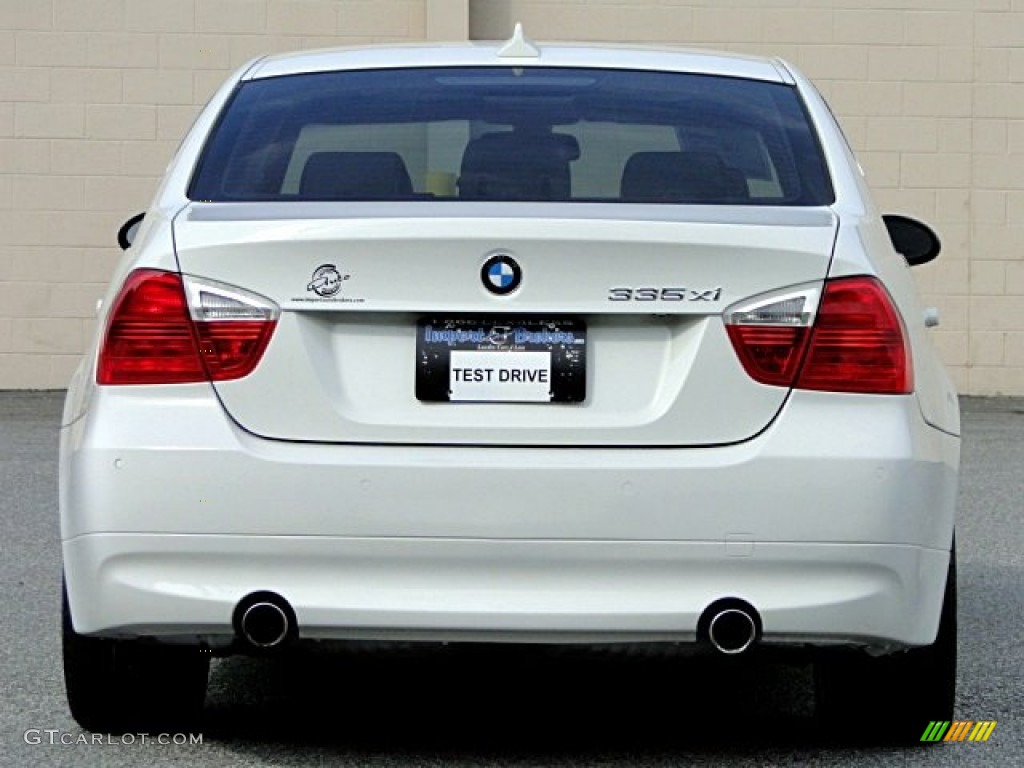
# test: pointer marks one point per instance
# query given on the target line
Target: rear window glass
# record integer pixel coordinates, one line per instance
(519, 134)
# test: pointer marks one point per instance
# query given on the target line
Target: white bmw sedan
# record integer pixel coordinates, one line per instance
(512, 343)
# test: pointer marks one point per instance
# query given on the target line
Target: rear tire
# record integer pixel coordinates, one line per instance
(115, 686)
(893, 697)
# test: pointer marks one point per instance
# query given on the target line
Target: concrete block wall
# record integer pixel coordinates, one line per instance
(96, 94)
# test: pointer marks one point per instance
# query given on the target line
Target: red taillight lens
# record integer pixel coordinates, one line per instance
(232, 349)
(770, 354)
(151, 337)
(855, 343)
(858, 343)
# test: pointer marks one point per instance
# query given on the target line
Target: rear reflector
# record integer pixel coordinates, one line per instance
(156, 335)
(855, 342)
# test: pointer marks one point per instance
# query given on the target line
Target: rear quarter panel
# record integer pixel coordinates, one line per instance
(863, 247)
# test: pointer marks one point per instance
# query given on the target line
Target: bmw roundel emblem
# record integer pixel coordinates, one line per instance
(501, 274)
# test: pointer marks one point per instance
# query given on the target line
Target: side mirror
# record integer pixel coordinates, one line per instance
(126, 234)
(916, 241)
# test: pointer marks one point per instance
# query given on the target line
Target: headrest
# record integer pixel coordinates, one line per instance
(681, 177)
(355, 176)
(518, 165)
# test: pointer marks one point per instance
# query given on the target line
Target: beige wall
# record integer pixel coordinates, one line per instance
(95, 94)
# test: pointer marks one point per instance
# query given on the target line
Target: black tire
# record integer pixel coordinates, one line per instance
(114, 686)
(892, 698)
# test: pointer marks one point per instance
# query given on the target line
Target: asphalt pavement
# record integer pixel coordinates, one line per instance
(507, 707)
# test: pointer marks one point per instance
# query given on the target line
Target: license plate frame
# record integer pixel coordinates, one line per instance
(530, 359)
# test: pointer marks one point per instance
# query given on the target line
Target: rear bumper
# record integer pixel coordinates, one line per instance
(836, 533)
(519, 591)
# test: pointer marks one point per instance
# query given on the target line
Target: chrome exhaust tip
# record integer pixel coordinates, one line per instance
(264, 620)
(732, 631)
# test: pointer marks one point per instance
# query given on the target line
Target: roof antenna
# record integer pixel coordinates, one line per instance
(519, 46)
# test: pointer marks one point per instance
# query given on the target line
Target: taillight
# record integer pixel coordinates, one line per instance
(853, 342)
(165, 329)
(233, 327)
(770, 334)
(858, 343)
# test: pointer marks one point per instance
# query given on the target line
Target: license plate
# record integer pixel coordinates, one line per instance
(501, 360)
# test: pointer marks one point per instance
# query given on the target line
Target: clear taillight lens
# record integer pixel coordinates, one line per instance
(165, 329)
(853, 342)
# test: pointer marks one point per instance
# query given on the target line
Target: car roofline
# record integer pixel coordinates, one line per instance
(489, 54)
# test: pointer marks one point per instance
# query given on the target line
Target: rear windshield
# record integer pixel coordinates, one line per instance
(520, 134)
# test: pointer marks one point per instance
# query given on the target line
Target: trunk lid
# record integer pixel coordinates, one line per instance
(358, 284)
